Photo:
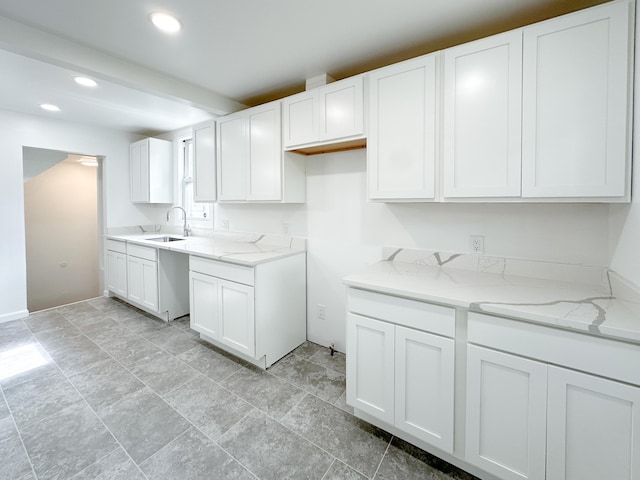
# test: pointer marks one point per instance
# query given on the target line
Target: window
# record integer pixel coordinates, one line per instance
(199, 215)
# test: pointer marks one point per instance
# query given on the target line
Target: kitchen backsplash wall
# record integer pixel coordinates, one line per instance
(346, 232)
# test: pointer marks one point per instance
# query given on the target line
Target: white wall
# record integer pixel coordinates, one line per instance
(625, 219)
(16, 131)
(61, 228)
(346, 233)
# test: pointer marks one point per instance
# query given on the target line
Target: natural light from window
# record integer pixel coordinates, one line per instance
(19, 360)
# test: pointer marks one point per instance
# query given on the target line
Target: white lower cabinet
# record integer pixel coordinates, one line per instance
(528, 419)
(116, 266)
(142, 275)
(255, 312)
(593, 427)
(506, 414)
(399, 374)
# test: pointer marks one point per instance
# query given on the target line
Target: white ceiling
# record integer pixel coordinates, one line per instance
(229, 53)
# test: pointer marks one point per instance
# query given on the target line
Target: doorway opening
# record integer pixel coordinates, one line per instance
(63, 222)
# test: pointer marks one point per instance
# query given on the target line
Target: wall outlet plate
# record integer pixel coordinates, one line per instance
(476, 244)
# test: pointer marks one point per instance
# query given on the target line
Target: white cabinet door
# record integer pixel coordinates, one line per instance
(143, 282)
(340, 105)
(300, 118)
(593, 428)
(575, 100)
(506, 414)
(139, 171)
(401, 144)
(265, 158)
(233, 157)
(203, 298)
(424, 385)
(482, 117)
(370, 366)
(117, 272)
(204, 163)
(236, 316)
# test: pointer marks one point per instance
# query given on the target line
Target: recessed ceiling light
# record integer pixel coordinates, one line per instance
(165, 22)
(85, 82)
(89, 164)
(49, 107)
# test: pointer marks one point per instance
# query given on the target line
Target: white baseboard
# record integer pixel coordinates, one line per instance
(7, 317)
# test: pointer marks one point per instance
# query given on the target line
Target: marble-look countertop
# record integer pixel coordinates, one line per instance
(239, 248)
(592, 300)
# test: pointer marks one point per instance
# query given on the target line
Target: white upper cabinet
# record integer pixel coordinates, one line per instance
(233, 156)
(401, 146)
(576, 99)
(341, 109)
(265, 153)
(332, 113)
(482, 117)
(151, 171)
(204, 163)
(300, 118)
(251, 163)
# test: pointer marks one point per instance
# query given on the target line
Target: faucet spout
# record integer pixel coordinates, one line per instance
(185, 228)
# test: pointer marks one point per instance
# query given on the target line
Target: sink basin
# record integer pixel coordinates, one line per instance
(165, 238)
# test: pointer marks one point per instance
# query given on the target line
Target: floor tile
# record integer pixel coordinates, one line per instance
(115, 466)
(314, 378)
(41, 397)
(210, 407)
(85, 317)
(356, 443)
(341, 403)
(66, 443)
(183, 322)
(14, 334)
(143, 423)
(307, 350)
(60, 337)
(141, 324)
(173, 340)
(129, 347)
(404, 461)
(162, 372)
(193, 456)
(264, 391)
(271, 451)
(14, 462)
(104, 331)
(210, 361)
(340, 471)
(44, 320)
(79, 356)
(24, 362)
(336, 362)
(105, 384)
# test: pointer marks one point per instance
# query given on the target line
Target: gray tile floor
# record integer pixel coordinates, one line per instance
(98, 389)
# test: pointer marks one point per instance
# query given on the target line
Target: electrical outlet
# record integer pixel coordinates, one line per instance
(225, 224)
(321, 312)
(476, 244)
(285, 228)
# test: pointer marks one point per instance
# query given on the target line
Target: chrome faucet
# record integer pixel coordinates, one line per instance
(185, 228)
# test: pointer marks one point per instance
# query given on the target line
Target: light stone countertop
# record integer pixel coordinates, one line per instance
(592, 300)
(239, 248)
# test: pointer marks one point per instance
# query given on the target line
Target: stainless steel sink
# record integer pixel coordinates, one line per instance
(165, 239)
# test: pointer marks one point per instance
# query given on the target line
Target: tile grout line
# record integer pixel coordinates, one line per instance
(382, 458)
(91, 408)
(24, 448)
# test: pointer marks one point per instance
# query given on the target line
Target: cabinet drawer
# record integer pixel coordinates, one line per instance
(148, 253)
(580, 351)
(116, 246)
(401, 311)
(227, 271)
